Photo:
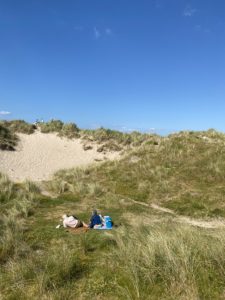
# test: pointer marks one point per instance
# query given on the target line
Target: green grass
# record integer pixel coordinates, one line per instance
(116, 140)
(134, 261)
(184, 172)
(19, 126)
(8, 130)
(8, 140)
(69, 130)
(108, 140)
(168, 262)
(148, 255)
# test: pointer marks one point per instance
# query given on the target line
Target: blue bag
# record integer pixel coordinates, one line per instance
(107, 224)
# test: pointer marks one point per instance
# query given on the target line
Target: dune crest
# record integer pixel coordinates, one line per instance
(38, 156)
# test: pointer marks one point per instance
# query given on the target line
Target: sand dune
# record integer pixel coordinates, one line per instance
(39, 156)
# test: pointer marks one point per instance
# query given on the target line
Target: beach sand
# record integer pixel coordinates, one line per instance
(38, 156)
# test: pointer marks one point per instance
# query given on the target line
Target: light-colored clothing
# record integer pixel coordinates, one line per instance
(70, 222)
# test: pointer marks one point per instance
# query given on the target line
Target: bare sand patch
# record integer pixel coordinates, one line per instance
(38, 156)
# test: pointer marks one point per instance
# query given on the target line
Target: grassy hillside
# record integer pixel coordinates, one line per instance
(184, 171)
(148, 255)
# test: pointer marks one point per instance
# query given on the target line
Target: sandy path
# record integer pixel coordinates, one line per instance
(39, 156)
(211, 224)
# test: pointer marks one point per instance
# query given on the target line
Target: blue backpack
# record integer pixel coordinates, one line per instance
(108, 222)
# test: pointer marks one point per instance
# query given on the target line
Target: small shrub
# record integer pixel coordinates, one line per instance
(51, 126)
(8, 140)
(69, 130)
(19, 126)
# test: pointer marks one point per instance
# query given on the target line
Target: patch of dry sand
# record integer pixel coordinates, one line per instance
(38, 156)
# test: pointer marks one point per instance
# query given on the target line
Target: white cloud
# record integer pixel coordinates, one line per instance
(97, 33)
(189, 12)
(108, 31)
(3, 112)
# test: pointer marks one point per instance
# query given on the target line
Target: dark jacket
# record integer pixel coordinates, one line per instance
(95, 220)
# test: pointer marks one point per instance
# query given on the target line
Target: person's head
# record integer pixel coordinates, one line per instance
(64, 216)
(94, 212)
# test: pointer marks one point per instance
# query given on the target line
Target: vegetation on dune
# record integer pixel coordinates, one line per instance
(184, 172)
(69, 130)
(8, 130)
(116, 140)
(8, 140)
(108, 140)
(168, 262)
(16, 204)
(140, 261)
(19, 126)
(104, 135)
(149, 255)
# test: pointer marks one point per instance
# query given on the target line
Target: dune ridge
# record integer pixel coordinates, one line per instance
(39, 156)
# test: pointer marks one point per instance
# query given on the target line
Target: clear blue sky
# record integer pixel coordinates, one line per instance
(125, 64)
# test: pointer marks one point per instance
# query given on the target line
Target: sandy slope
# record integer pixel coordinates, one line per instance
(40, 155)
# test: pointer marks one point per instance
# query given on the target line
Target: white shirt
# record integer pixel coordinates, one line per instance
(70, 222)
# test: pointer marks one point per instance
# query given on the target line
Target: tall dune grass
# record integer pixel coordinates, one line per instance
(169, 262)
(151, 261)
(184, 172)
(69, 130)
(8, 140)
(16, 204)
(19, 126)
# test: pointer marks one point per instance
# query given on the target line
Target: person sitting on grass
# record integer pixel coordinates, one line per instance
(96, 219)
(73, 222)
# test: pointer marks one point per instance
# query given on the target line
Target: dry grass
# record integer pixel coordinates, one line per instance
(147, 256)
(8, 140)
(19, 126)
(168, 262)
(185, 172)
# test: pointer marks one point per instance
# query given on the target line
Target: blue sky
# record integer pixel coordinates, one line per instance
(122, 64)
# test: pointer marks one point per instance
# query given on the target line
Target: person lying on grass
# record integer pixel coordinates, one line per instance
(73, 222)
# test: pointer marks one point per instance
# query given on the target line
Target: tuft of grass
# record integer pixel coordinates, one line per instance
(16, 205)
(51, 126)
(8, 140)
(168, 262)
(8, 130)
(113, 140)
(19, 126)
(69, 130)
